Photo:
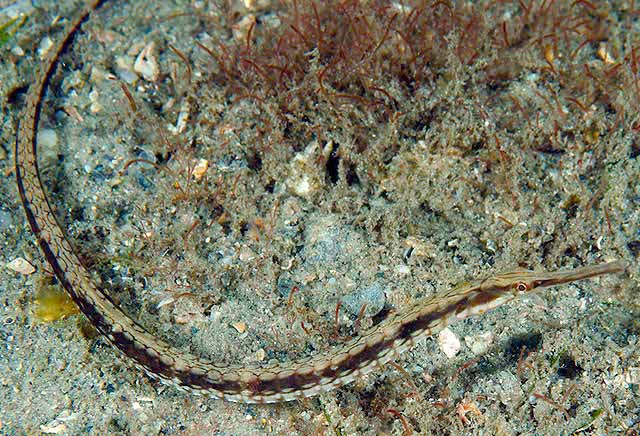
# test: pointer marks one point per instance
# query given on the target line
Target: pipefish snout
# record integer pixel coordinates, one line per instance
(501, 288)
(526, 281)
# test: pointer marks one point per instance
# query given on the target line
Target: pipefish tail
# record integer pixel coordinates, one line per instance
(250, 384)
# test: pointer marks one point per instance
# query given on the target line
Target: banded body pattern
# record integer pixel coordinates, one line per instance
(272, 383)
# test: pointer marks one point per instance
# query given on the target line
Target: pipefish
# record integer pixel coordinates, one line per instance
(271, 383)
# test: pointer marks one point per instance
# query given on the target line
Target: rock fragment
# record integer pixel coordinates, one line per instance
(146, 63)
(449, 343)
(21, 266)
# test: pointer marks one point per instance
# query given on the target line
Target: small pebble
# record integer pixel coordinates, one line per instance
(123, 70)
(146, 63)
(54, 428)
(17, 51)
(402, 269)
(95, 107)
(21, 266)
(47, 138)
(254, 5)
(45, 45)
(181, 123)
(479, 343)
(604, 54)
(241, 326)
(94, 96)
(632, 376)
(303, 179)
(261, 355)
(165, 301)
(246, 254)
(200, 169)
(449, 343)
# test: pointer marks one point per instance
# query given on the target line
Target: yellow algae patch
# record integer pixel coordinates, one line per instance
(52, 304)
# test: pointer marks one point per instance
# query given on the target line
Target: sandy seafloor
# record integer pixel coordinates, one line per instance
(511, 152)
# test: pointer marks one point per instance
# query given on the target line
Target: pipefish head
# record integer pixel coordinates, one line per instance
(482, 296)
(520, 282)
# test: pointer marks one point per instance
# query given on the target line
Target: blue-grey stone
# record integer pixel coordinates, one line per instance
(373, 296)
(6, 220)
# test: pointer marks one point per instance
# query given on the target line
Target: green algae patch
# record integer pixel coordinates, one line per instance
(8, 29)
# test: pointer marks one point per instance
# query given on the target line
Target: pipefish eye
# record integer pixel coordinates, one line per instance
(522, 287)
